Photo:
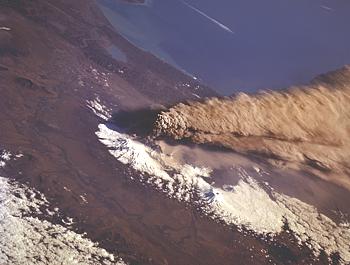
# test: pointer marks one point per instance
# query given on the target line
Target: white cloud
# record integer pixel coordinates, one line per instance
(25, 239)
(246, 204)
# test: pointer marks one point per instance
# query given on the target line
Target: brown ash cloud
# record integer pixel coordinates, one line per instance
(305, 127)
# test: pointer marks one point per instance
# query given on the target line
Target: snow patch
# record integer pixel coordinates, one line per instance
(25, 239)
(5, 156)
(131, 152)
(196, 95)
(314, 229)
(5, 28)
(160, 168)
(100, 77)
(99, 109)
(247, 204)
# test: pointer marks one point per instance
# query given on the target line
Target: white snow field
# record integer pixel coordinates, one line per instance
(25, 239)
(249, 204)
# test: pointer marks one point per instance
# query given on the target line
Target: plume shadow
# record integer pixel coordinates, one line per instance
(140, 122)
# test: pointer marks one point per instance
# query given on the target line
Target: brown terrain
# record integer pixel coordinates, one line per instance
(52, 60)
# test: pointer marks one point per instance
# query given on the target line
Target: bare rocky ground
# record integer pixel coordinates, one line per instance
(52, 63)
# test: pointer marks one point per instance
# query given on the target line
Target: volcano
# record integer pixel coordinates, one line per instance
(111, 155)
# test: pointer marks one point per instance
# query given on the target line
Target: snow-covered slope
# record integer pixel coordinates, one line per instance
(25, 239)
(249, 203)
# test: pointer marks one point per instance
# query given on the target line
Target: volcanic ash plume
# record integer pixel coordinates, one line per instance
(306, 127)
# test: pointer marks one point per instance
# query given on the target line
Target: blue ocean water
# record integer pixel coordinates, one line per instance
(240, 45)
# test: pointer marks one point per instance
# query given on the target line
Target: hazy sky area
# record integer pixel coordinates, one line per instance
(241, 45)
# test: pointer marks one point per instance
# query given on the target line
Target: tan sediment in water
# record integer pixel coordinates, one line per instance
(307, 127)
